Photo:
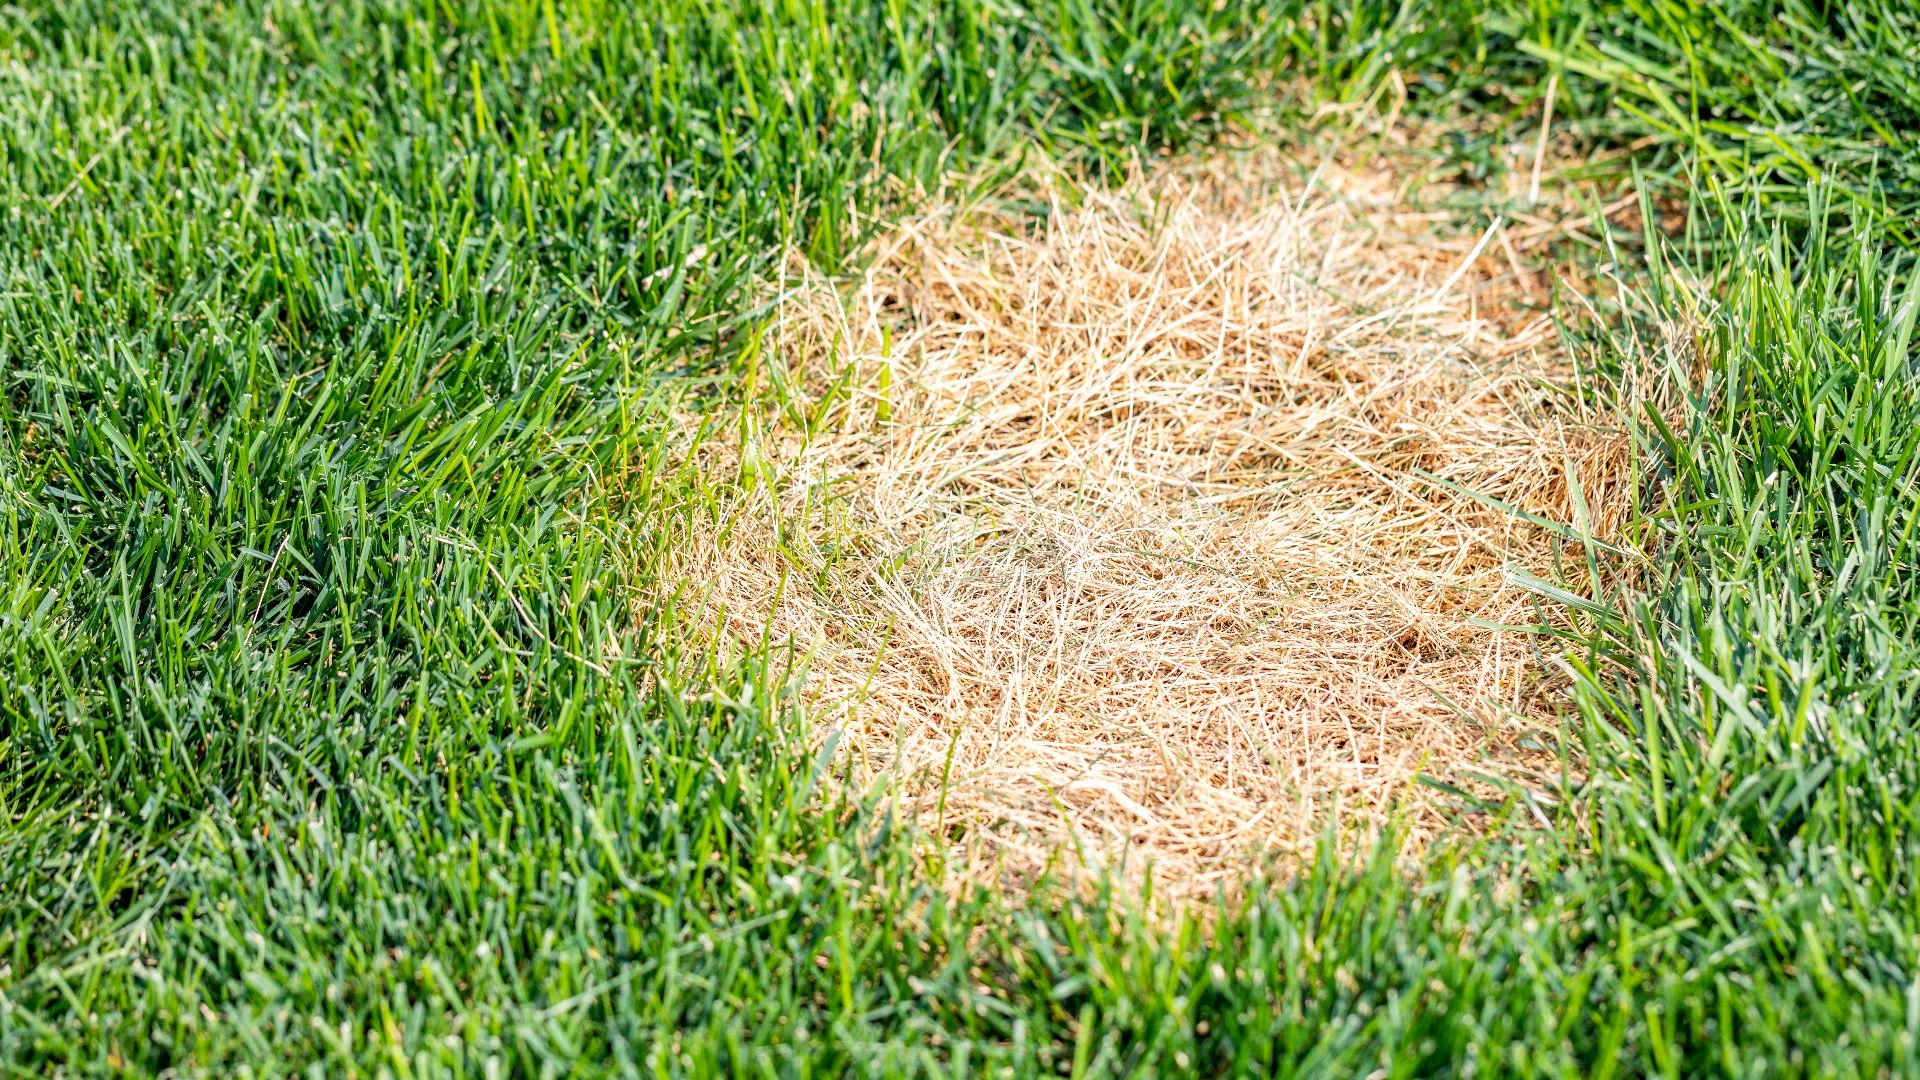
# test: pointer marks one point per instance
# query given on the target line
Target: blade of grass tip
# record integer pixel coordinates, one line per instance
(946, 778)
(820, 762)
(1736, 712)
(1472, 256)
(1540, 143)
(1562, 531)
(883, 402)
(1583, 527)
(1558, 595)
(1520, 273)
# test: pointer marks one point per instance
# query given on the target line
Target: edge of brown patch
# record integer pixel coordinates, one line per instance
(1137, 538)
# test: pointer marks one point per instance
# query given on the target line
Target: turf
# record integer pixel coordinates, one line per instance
(342, 348)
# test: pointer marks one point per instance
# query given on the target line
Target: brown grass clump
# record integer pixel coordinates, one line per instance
(1126, 529)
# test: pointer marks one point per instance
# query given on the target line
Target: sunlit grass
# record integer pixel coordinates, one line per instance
(341, 345)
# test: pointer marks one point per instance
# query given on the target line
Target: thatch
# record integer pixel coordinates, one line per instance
(1138, 524)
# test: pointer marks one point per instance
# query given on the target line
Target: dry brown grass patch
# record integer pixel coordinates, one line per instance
(1108, 532)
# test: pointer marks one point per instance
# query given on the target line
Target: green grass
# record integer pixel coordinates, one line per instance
(341, 344)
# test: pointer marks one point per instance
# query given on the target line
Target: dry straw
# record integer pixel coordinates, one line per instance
(1134, 535)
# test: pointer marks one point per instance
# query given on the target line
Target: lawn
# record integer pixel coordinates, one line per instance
(359, 715)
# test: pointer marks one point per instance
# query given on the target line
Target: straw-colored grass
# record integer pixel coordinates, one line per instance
(1134, 527)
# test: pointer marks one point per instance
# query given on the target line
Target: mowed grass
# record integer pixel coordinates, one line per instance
(342, 345)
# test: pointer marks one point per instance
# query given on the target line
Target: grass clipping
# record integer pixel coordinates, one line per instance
(1129, 536)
